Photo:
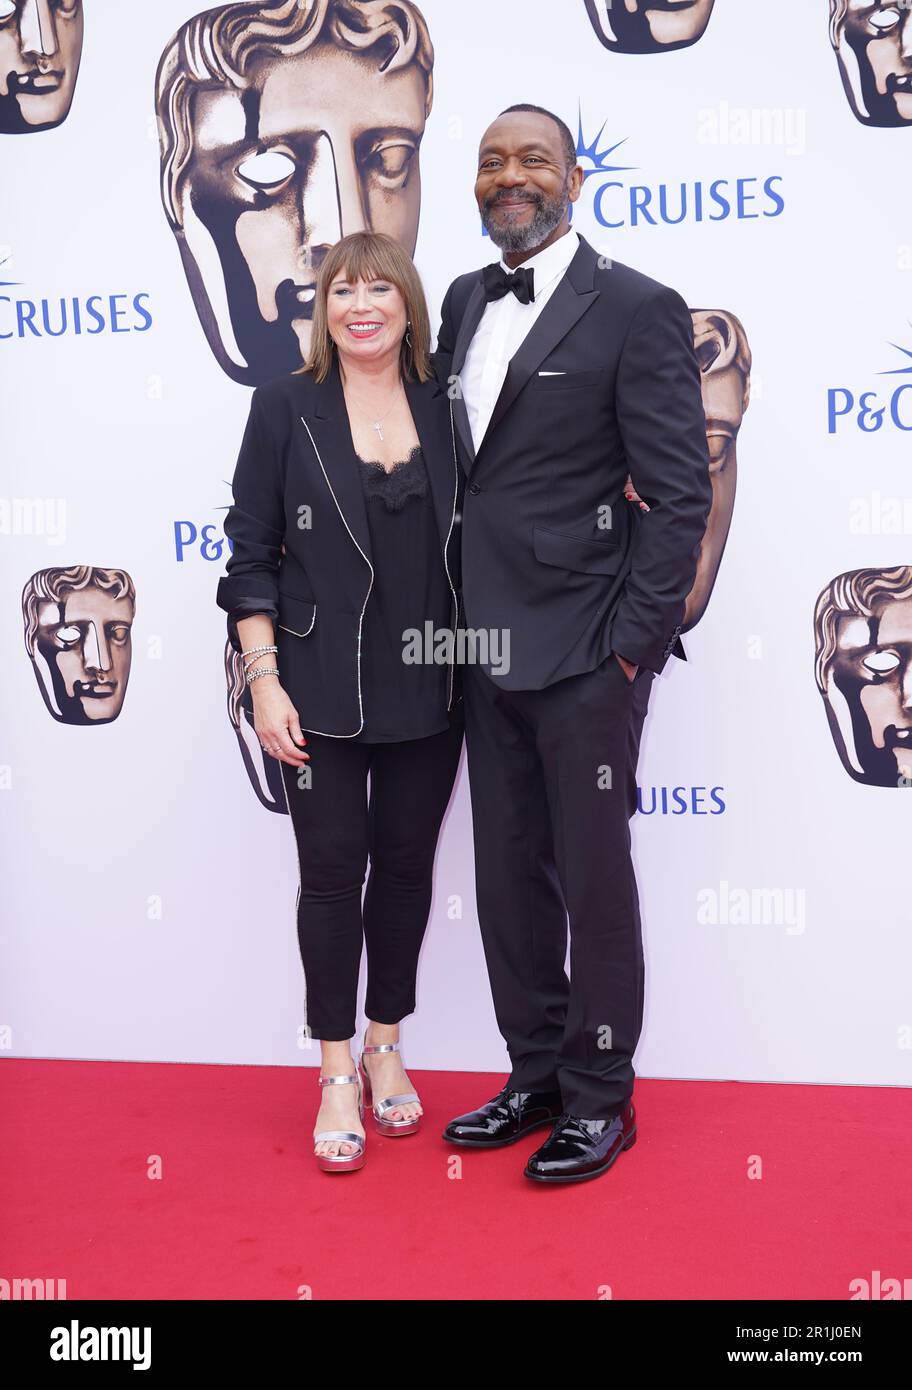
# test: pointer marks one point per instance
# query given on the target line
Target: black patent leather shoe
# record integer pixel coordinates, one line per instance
(577, 1150)
(506, 1118)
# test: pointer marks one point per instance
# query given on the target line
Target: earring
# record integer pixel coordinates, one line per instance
(408, 336)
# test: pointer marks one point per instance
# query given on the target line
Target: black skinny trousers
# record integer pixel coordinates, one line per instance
(338, 828)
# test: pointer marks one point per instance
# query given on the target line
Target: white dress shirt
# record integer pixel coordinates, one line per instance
(503, 327)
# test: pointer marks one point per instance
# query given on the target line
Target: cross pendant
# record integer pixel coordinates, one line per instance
(377, 428)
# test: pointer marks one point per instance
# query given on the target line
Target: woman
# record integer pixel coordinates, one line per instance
(344, 561)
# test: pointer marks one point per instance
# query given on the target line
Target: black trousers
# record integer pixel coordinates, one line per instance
(339, 827)
(552, 774)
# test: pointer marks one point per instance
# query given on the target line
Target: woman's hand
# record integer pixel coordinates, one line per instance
(274, 716)
(632, 495)
(276, 722)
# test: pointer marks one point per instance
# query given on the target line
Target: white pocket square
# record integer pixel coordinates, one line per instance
(552, 374)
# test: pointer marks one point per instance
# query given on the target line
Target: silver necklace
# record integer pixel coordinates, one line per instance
(376, 424)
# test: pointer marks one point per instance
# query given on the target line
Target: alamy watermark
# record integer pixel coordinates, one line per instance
(464, 646)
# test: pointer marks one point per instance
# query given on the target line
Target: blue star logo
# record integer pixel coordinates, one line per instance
(596, 161)
(900, 371)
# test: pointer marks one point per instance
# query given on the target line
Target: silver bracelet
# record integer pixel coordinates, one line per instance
(263, 671)
(252, 662)
(258, 651)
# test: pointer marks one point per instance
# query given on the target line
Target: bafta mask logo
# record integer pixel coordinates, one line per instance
(263, 772)
(873, 43)
(725, 363)
(863, 629)
(40, 48)
(77, 634)
(649, 26)
(284, 126)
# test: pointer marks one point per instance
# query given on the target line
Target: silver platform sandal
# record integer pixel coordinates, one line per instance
(342, 1163)
(388, 1127)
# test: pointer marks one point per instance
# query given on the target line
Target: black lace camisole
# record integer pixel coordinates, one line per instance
(402, 701)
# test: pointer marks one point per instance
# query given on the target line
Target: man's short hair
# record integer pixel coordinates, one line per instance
(567, 140)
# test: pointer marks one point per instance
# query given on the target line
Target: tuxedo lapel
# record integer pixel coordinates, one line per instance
(464, 430)
(570, 300)
(328, 423)
(470, 321)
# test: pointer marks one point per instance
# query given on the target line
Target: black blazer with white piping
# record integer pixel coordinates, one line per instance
(301, 549)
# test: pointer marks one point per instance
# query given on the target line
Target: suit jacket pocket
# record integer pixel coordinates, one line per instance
(296, 615)
(576, 552)
(565, 381)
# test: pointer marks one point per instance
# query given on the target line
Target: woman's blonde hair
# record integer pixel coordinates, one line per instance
(372, 256)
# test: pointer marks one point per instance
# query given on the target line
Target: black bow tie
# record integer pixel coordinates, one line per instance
(497, 283)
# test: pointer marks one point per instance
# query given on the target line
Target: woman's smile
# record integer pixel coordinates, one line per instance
(364, 328)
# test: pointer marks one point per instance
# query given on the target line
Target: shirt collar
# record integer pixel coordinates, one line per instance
(550, 262)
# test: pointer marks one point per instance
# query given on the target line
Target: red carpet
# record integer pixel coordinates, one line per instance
(242, 1212)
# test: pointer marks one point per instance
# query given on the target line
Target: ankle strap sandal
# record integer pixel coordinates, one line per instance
(342, 1163)
(380, 1111)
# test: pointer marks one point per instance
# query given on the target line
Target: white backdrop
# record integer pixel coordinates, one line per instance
(149, 898)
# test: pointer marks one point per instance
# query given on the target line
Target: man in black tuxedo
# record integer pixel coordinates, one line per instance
(567, 373)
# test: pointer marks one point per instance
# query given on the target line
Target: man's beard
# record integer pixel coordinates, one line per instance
(549, 213)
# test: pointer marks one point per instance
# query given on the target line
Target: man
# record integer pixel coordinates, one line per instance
(566, 374)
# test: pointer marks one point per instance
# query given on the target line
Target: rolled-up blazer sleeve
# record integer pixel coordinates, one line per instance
(255, 525)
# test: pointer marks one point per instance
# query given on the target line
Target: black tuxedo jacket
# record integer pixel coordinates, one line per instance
(301, 543)
(552, 551)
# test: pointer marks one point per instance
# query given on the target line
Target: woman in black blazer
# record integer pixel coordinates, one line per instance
(341, 594)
